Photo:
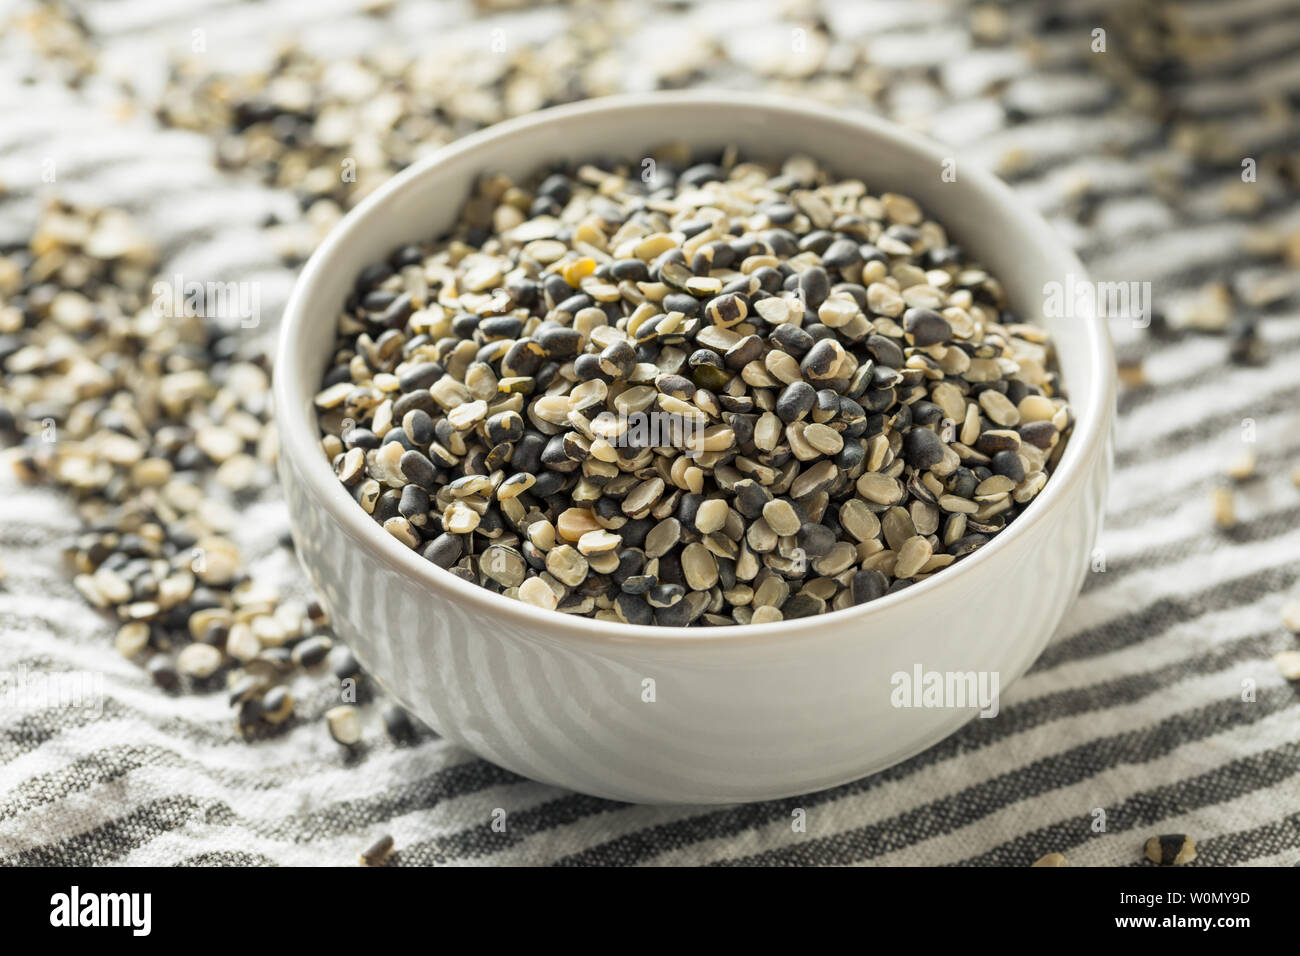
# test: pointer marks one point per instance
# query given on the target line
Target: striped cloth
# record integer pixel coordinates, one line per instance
(1134, 716)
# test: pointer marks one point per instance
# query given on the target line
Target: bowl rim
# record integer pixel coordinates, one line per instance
(299, 437)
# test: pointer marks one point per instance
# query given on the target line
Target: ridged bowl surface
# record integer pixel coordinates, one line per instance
(739, 713)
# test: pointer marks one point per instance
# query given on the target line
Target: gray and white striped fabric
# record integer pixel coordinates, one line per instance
(1136, 706)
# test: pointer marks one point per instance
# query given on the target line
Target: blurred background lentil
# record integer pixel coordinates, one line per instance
(216, 134)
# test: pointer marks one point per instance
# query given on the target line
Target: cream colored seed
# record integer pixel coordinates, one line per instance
(635, 399)
(198, 660)
(242, 644)
(936, 562)
(774, 310)
(880, 489)
(704, 285)
(699, 567)
(459, 518)
(994, 485)
(567, 565)
(1291, 616)
(912, 556)
(542, 534)
(573, 523)
(949, 398)
(783, 366)
(837, 310)
(858, 520)
(1036, 408)
(344, 723)
(798, 446)
(766, 614)
(767, 431)
(711, 515)
(823, 438)
(132, 638)
(1288, 664)
(595, 542)
(538, 593)
(466, 416)
(883, 299)
(999, 408)
(970, 429)
(654, 245)
(515, 485)
(714, 438)
(552, 408)
(958, 505)
(333, 396)
(781, 516)
(588, 395)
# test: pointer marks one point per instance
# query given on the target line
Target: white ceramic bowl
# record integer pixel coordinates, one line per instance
(738, 713)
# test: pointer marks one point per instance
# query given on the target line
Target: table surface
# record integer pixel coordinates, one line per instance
(1133, 722)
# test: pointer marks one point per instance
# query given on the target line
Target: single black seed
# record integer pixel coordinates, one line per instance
(1008, 464)
(343, 664)
(922, 448)
(926, 327)
(444, 550)
(795, 401)
(867, 585)
(377, 853)
(816, 540)
(397, 724)
(841, 254)
(792, 339)
(421, 376)
(814, 285)
(419, 469)
(635, 608)
(163, 672)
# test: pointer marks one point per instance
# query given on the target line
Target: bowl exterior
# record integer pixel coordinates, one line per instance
(785, 709)
(710, 723)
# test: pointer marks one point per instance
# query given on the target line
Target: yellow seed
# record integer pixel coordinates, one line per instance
(1036, 408)
(574, 272)
(1225, 509)
(654, 245)
(1243, 467)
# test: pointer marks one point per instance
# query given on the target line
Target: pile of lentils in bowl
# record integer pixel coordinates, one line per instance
(846, 405)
